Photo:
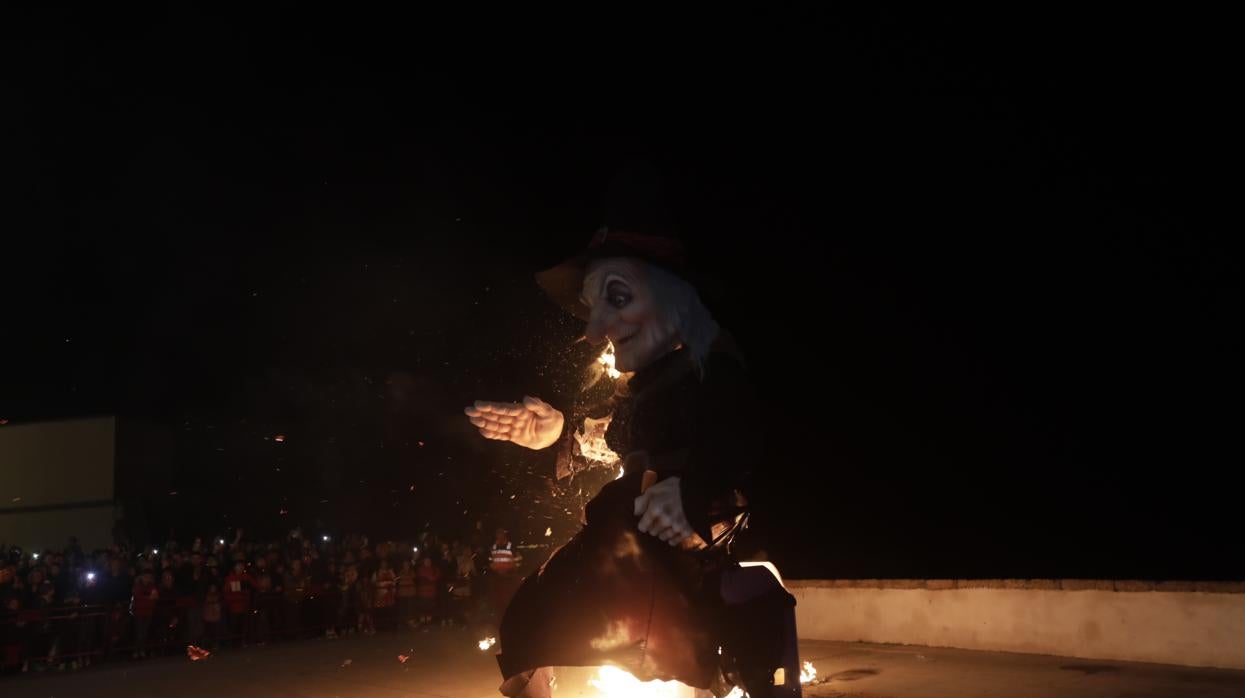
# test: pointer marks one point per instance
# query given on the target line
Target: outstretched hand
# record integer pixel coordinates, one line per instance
(533, 423)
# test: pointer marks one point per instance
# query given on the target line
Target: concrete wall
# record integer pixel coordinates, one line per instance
(43, 530)
(56, 480)
(1185, 623)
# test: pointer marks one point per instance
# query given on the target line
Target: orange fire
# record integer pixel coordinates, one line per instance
(606, 359)
(808, 673)
(612, 682)
(487, 643)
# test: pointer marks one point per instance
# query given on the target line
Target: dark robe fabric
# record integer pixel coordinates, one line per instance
(614, 595)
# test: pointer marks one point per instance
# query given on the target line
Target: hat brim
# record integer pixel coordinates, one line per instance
(564, 284)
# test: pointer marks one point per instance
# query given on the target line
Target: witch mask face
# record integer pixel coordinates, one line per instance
(626, 310)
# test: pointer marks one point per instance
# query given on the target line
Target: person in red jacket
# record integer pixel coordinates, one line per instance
(427, 584)
(143, 606)
(167, 619)
(385, 582)
(212, 616)
(238, 587)
(407, 594)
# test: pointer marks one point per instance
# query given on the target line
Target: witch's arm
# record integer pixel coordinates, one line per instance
(532, 423)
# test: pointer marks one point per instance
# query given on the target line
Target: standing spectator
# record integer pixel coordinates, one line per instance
(407, 593)
(348, 607)
(69, 631)
(119, 586)
(192, 582)
(295, 586)
(367, 600)
(462, 595)
(447, 564)
(14, 632)
(427, 583)
(237, 595)
(143, 607)
(166, 620)
(73, 552)
(59, 577)
(116, 592)
(327, 592)
(504, 577)
(384, 582)
(8, 571)
(42, 644)
(367, 563)
(34, 584)
(212, 616)
(90, 595)
(268, 602)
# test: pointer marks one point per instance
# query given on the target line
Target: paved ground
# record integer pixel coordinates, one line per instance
(448, 664)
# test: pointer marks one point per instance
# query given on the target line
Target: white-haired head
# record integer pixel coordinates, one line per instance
(646, 311)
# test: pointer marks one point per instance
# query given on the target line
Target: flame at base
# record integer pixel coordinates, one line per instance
(612, 682)
(486, 643)
(808, 673)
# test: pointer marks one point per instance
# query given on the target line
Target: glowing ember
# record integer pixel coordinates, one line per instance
(808, 673)
(548, 532)
(279, 438)
(403, 657)
(487, 643)
(196, 653)
(612, 682)
(606, 359)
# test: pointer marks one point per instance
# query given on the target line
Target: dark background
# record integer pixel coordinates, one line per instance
(969, 256)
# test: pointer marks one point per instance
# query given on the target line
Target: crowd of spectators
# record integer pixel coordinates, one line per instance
(66, 609)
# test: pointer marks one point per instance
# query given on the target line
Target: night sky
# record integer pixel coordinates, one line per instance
(969, 259)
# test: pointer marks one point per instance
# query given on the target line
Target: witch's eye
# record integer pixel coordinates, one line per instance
(617, 294)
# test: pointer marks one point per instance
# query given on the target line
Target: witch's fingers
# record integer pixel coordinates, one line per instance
(496, 436)
(540, 407)
(641, 504)
(508, 409)
(653, 520)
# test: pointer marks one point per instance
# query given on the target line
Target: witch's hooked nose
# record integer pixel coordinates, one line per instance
(598, 326)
